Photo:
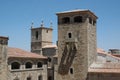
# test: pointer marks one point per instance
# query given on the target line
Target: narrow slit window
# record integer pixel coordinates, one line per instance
(36, 34)
(71, 70)
(69, 35)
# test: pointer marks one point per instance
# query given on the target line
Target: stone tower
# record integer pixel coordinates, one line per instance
(3, 58)
(76, 44)
(40, 37)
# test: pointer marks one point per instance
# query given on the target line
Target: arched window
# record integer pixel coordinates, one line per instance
(15, 65)
(65, 20)
(39, 64)
(28, 65)
(69, 35)
(36, 34)
(28, 78)
(78, 19)
(40, 77)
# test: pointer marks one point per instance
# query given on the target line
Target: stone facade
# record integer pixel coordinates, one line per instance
(76, 44)
(103, 76)
(3, 58)
(35, 72)
(74, 59)
(40, 37)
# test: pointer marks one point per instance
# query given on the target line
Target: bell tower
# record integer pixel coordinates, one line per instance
(76, 44)
(3, 57)
(40, 37)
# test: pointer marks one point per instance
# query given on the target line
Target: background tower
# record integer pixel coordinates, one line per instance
(40, 37)
(3, 58)
(76, 44)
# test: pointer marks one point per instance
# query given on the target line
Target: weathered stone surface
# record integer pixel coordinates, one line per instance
(83, 36)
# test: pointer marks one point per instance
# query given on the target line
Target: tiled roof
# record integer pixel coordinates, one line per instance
(105, 67)
(99, 50)
(19, 53)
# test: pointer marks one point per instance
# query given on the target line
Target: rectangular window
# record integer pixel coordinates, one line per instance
(71, 70)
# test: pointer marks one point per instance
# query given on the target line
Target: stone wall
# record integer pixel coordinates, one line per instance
(76, 44)
(40, 37)
(3, 58)
(23, 73)
(103, 76)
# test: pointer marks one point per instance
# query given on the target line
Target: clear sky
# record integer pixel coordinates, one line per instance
(16, 17)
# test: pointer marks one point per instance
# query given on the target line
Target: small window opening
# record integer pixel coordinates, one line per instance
(66, 20)
(39, 64)
(78, 19)
(50, 78)
(15, 65)
(28, 78)
(40, 77)
(69, 35)
(46, 31)
(94, 22)
(49, 60)
(36, 35)
(71, 70)
(28, 65)
(90, 20)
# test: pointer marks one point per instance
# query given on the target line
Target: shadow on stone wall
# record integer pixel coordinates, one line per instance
(68, 55)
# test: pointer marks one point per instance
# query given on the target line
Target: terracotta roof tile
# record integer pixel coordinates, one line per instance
(19, 53)
(104, 70)
(99, 50)
(105, 67)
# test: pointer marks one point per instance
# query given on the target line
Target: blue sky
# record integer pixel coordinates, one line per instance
(16, 17)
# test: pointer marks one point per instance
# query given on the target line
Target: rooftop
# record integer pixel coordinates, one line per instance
(105, 67)
(19, 53)
(77, 10)
(4, 37)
